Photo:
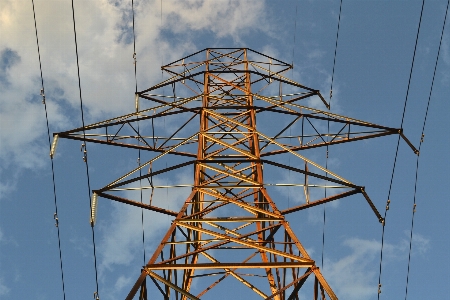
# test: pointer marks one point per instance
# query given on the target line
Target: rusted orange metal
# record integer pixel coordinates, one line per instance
(229, 227)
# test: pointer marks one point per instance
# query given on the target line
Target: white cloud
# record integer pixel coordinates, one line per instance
(354, 276)
(7, 239)
(122, 234)
(105, 56)
(445, 56)
(4, 290)
(6, 186)
(122, 282)
(420, 244)
(316, 54)
(446, 49)
(223, 18)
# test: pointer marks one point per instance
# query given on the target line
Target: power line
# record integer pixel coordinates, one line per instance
(85, 149)
(55, 216)
(420, 145)
(134, 48)
(396, 152)
(295, 31)
(138, 130)
(328, 128)
(335, 51)
(280, 92)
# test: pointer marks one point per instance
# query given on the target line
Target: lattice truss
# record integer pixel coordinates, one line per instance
(229, 234)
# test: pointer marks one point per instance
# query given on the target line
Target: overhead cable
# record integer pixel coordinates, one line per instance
(335, 51)
(138, 129)
(420, 145)
(295, 32)
(396, 152)
(85, 150)
(328, 128)
(55, 215)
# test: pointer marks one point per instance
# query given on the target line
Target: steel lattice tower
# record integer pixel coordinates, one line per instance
(229, 232)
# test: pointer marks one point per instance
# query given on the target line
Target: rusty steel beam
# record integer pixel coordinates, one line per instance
(221, 265)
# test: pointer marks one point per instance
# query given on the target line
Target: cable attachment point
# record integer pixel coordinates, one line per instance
(379, 288)
(83, 148)
(414, 208)
(422, 137)
(43, 96)
(96, 296)
(55, 216)
(134, 58)
(136, 102)
(387, 204)
(93, 209)
(270, 73)
(184, 73)
(53, 146)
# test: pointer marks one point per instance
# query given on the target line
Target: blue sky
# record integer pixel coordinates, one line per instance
(376, 44)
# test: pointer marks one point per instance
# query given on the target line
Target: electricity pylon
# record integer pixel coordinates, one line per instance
(229, 235)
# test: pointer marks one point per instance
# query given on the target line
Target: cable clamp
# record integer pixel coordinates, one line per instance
(96, 296)
(379, 288)
(83, 148)
(134, 58)
(414, 208)
(184, 73)
(43, 96)
(55, 216)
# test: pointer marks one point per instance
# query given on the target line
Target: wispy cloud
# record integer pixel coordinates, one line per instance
(354, 275)
(4, 290)
(446, 49)
(445, 55)
(121, 242)
(8, 58)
